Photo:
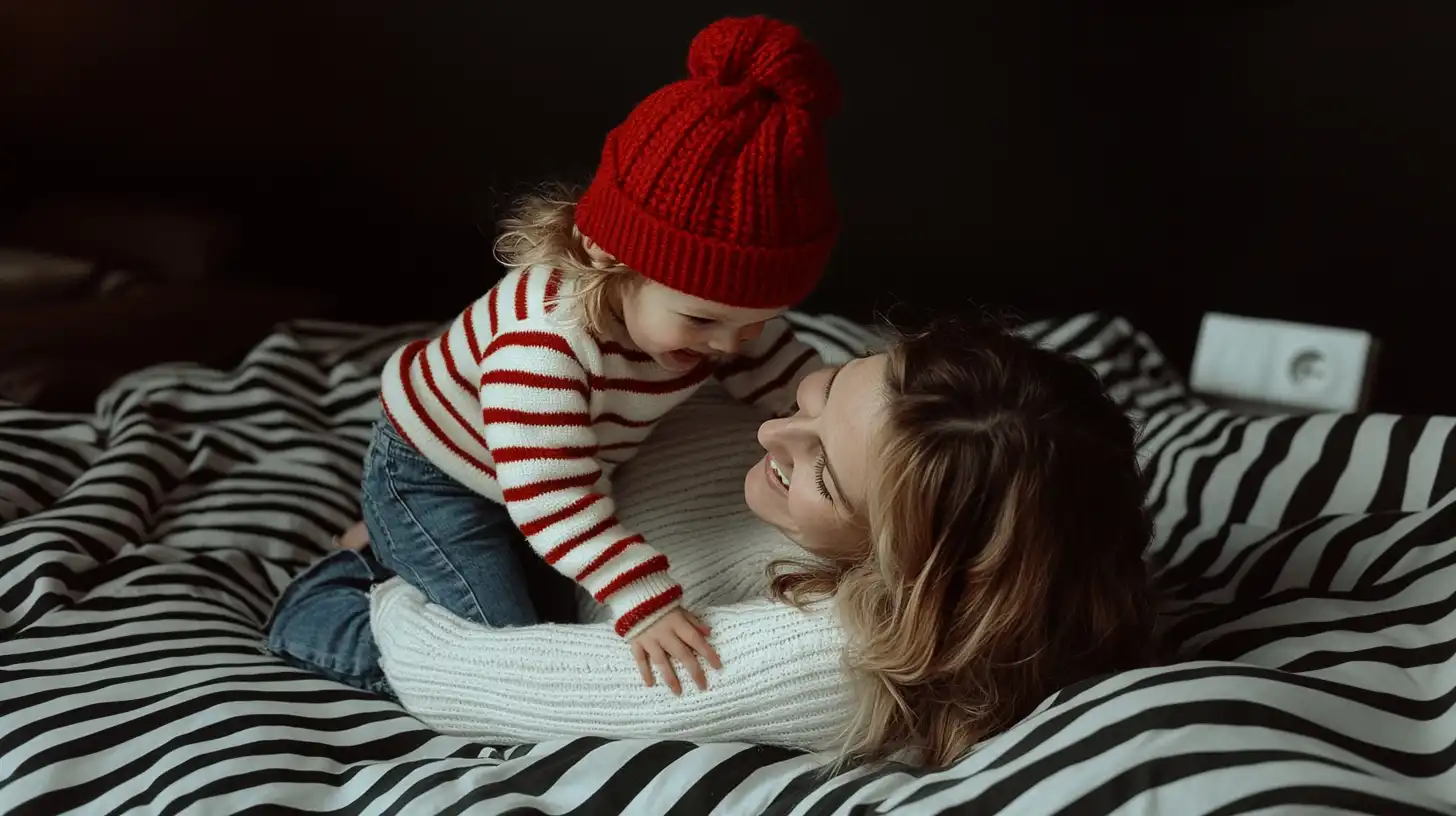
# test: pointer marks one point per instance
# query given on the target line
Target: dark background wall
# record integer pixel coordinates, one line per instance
(1289, 159)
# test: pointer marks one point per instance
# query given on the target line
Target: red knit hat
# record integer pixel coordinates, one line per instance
(717, 185)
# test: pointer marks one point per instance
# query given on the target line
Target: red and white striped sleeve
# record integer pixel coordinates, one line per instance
(535, 403)
(767, 371)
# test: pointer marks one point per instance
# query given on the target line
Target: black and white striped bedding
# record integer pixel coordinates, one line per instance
(1310, 564)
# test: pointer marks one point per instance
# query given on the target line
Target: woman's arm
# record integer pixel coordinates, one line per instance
(781, 683)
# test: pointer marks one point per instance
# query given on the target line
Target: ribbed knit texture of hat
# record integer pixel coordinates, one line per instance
(718, 185)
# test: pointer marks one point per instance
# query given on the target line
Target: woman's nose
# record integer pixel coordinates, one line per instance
(782, 435)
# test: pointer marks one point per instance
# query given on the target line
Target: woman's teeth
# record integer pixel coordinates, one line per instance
(778, 472)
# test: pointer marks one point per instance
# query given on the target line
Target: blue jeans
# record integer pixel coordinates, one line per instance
(460, 549)
(321, 621)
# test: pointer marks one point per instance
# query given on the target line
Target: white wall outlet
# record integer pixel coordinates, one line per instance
(1283, 364)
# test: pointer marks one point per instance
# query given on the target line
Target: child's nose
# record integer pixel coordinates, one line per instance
(726, 342)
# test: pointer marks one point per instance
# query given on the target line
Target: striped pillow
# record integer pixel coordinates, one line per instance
(1298, 530)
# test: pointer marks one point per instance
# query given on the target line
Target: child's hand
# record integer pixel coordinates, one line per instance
(678, 634)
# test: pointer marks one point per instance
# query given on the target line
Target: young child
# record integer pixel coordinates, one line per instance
(710, 215)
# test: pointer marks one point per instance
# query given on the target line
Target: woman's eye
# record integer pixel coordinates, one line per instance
(819, 477)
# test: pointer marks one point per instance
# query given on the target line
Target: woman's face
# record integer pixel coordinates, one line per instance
(812, 483)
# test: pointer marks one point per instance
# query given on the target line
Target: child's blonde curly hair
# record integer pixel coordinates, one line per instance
(541, 231)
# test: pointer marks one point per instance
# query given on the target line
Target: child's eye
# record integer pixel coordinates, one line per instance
(700, 321)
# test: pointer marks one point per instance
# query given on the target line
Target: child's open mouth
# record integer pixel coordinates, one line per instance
(683, 360)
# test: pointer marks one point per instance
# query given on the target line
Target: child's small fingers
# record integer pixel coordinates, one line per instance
(684, 655)
(698, 624)
(664, 665)
(712, 656)
(644, 666)
(701, 645)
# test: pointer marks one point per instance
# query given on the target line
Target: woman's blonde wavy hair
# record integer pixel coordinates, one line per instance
(541, 230)
(1005, 530)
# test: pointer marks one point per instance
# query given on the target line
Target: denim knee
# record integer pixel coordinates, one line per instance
(321, 621)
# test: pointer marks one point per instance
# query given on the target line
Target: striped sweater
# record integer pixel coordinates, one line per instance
(519, 402)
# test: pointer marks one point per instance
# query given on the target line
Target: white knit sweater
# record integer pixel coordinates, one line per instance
(782, 681)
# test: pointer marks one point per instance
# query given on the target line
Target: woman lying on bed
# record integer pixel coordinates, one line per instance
(969, 509)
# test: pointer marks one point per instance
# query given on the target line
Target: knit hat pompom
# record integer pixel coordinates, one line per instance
(718, 185)
(760, 54)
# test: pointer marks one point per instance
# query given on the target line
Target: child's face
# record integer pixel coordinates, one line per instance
(680, 330)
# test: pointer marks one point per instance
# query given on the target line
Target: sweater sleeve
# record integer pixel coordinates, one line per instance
(534, 396)
(767, 371)
(781, 682)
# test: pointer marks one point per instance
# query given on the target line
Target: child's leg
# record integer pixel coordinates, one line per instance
(457, 547)
(553, 594)
(321, 622)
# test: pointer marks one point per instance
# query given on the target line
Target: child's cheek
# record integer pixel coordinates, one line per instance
(686, 337)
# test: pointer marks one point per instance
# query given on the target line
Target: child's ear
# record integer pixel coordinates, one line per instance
(600, 258)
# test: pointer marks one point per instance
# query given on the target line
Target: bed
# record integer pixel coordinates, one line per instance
(1308, 564)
